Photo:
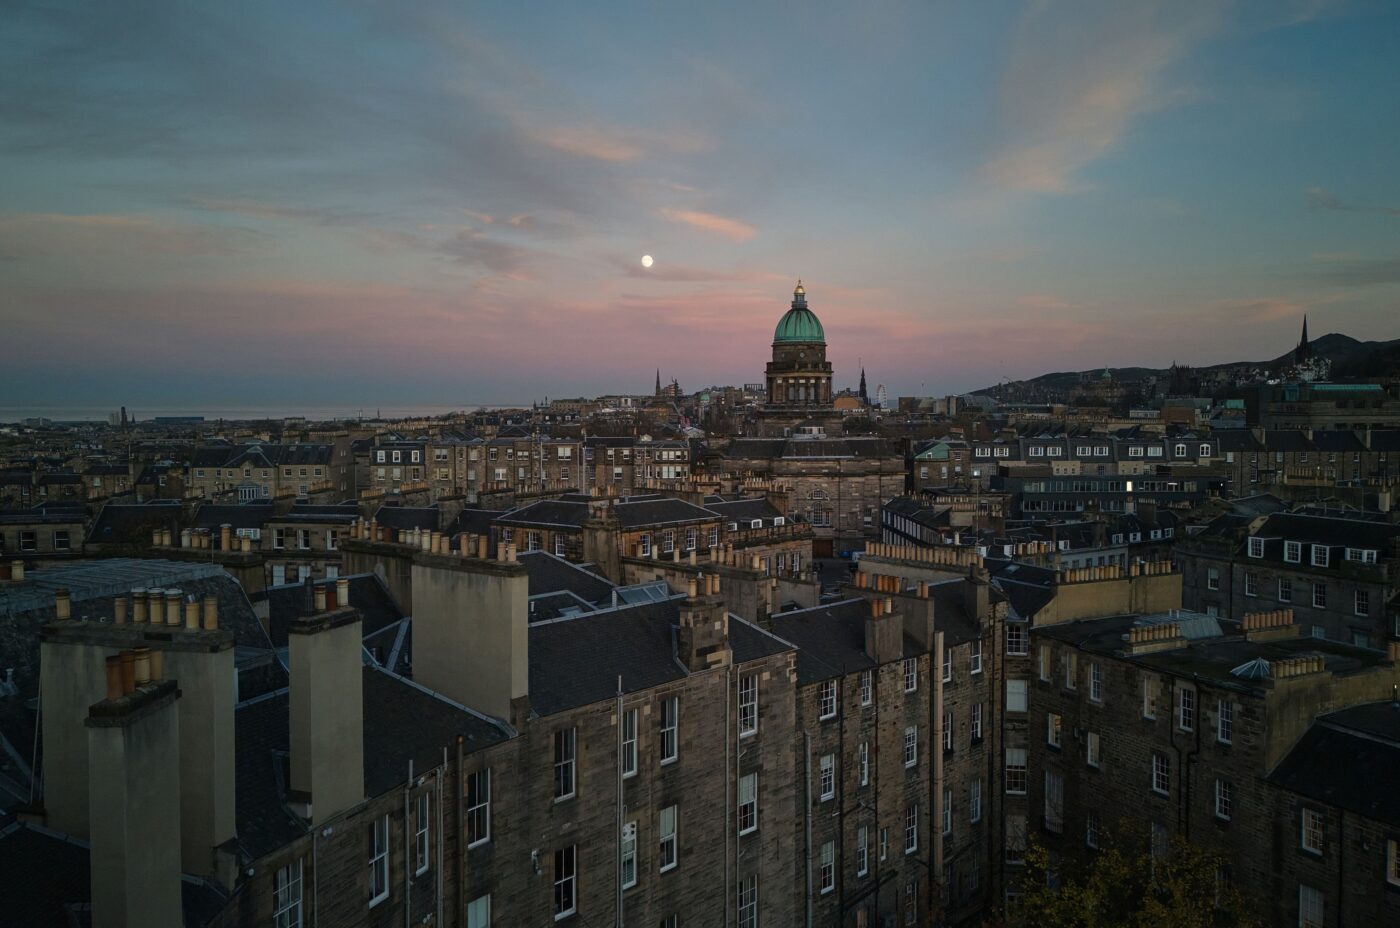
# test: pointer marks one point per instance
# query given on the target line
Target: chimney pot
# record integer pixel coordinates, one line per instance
(247, 545)
(17, 570)
(157, 661)
(192, 615)
(63, 605)
(119, 610)
(692, 588)
(211, 612)
(114, 677)
(141, 672)
(128, 659)
(342, 591)
(320, 598)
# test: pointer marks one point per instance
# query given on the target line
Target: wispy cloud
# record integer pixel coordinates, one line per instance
(1323, 200)
(1354, 272)
(617, 144)
(34, 235)
(733, 229)
(1073, 86)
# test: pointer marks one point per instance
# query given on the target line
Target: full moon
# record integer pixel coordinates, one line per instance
(646, 260)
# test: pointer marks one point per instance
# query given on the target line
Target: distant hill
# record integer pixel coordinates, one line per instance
(1349, 357)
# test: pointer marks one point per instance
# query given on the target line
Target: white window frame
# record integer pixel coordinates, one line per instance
(670, 729)
(1224, 799)
(1256, 547)
(565, 881)
(863, 762)
(1285, 589)
(1095, 681)
(379, 861)
(1320, 556)
(748, 901)
(422, 834)
(1293, 552)
(1016, 695)
(911, 828)
(748, 803)
(827, 868)
(975, 660)
(826, 700)
(863, 851)
(826, 773)
(630, 721)
(911, 674)
(1054, 729)
(479, 807)
(976, 725)
(1054, 806)
(748, 705)
(911, 746)
(974, 801)
(1093, 749)
(629, 854)
(1311, 907)
(1015, 771)
(1225, 721)
(479, 912)
(287, 896)
(1186, 709)
(565, 759)
(1306, 818)
(1161, 781)
(667, 827)
(867, 687)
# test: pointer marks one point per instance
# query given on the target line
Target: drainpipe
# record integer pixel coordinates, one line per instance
(936, 749)
(807, 817)
(458, 799)
(408, 850)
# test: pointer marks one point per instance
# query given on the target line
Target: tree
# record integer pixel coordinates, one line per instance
(1125, 885)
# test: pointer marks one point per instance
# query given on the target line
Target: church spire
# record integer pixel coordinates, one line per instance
(863, 396)
(1304, 342)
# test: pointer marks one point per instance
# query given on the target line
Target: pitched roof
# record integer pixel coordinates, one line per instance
(1338, 759)
(830, 639)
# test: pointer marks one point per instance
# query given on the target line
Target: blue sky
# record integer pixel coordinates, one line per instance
(375, 203)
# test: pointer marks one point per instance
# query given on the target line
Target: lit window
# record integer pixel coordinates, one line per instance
(1053, 724)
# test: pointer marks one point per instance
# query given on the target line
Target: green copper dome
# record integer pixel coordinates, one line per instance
(799, 324)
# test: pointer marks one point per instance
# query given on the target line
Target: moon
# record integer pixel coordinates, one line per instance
(646, 261)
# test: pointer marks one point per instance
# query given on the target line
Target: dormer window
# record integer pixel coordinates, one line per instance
(1256, 547)
(1293, 552)
(779, 520)
(1180, 450)
(1037, 451)
(756, 523)
(1363, 555)
(1319, 555)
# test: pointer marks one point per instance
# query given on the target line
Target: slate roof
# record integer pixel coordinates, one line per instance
(402, 722)
(746, 510)
(550, 574)
(1330, 530)
(368, 594)
(247, 515)
(475, 521)
(748, 642)
(1342, 758)
(408, 518)
(659, 511)
(132, 523)
(830, 639)
(576, 661)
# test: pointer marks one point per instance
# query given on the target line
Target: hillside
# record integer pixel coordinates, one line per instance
(1349, 357)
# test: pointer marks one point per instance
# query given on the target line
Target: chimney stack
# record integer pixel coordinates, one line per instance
(327, 712)
(135, 781)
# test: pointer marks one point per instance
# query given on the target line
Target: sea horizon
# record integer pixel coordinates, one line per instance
(318, 413)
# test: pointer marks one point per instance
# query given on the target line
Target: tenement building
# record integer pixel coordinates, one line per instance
(1337, 572)
(1149, 727)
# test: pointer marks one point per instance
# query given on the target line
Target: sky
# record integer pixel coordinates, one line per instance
(390, 203)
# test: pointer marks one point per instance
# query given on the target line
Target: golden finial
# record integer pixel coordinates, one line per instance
(799, 291)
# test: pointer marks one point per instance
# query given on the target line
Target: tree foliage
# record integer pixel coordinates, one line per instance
(1125, 886)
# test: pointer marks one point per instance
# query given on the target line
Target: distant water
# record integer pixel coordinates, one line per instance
(214, 413)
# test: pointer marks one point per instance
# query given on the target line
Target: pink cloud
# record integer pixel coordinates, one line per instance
(734, 229)
(35, 235)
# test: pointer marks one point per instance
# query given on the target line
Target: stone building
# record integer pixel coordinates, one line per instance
(1336, 573)
(1180, 722)
(245, 473)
